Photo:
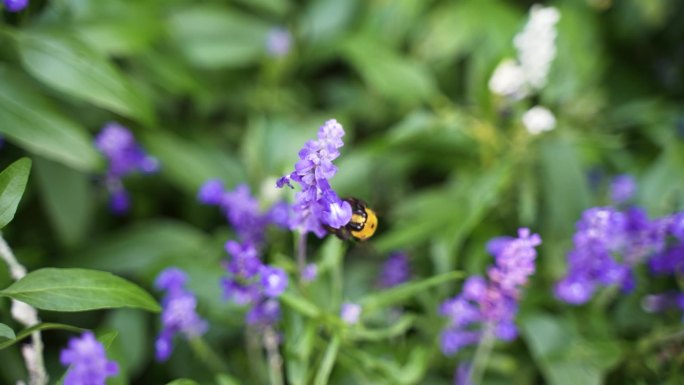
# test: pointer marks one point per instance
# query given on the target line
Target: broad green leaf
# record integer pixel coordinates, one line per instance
(131, 357)
(661, 184)
(182, 381)
(566, 191)
(190, 164)
(29, 120)
(78, 290)
(401, 293)
(107, 338)
(6, 332)
(391, 75)
(224, 379)
(43, 326)
(213, 36)
(142, 246)
(68, 199)
(564, 357)
(12, 184)
(326, 367)
(73, 67)
(300, 304)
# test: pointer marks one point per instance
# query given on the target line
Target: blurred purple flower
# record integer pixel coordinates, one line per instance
(607, 244)
(88, 361)
(273, 280)
(350, 313)
(178, 312)
(278, 42)
(242, 210)
(491, 304)
(462, 376)
(15, 5)
(317, 204)
(395, 271)
(124, 156)
(250, 282)
(622, 188)
(310, 272)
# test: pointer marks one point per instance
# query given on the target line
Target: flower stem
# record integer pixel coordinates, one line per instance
(301, 253)
(27, 316)
(484, 349)
(207, 355)
(275, 361)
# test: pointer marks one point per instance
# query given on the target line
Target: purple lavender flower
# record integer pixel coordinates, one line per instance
(278, 42)
(462, 376)
(607, 244)
(252, 283)
(622, 188)
(317, 204)
(125, 156)
(310, 272)
(274, 281)
(350, 313)
(88, 362)
(395, 271)
(179, 312)
(265, 312)
(490, 305)
(240, 208)
(669, 258)
(15, 5)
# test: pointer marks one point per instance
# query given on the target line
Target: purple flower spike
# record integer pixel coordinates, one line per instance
(88, 361)
(273, 280)
(124, 156)
(622, 188)
(491, 304)
(266, 312)
(462, 376)
(278, 42)
(350, 313)
(178, 312)
(211, 192)
(395, 271)
(15, 5)
(310, 272)
(317, 204)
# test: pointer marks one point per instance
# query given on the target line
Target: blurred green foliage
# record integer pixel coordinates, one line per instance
(445, 163)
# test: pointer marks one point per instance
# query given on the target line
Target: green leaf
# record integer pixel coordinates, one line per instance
(73, 67)
(563, 356)
(189, 165)
(391, 75)
(300, 304)
(107, 338)
(142, 246)
(68, 199)
(29, 120)
(6, 332)
(400, 293)
(212, 36)
(182, 381)
(43, 326)
(323, 374)
(78, 290)
(12, 184)
(396, 329)
(565, 184)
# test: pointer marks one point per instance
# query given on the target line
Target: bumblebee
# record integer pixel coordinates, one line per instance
(362, 225)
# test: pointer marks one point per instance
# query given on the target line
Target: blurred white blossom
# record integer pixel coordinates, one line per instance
(536, 45)
(508, 80)
(539, 119)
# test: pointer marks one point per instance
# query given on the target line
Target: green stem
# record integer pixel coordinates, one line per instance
(484, 349)
(207, 355)
(275, 361)
(328, 362)
(301, 253)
